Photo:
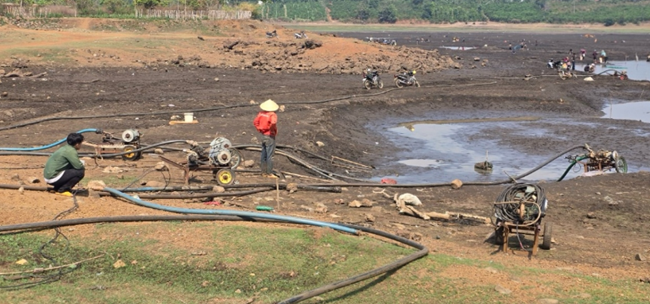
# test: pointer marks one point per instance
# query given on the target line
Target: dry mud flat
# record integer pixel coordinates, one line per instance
(592, 233)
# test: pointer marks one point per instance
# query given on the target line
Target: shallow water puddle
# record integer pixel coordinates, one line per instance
(636, 70)
(440, 153)
(630, 111)
(458, 48)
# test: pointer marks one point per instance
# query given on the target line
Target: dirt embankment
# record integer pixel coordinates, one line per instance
(225, 44)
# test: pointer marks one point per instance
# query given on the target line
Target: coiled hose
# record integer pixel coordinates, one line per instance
(522, 204)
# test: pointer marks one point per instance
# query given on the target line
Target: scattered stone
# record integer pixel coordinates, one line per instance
(364, 203)
(218, 189)
(161, 166)
(320, 208)
(584, 296)
(370, 217)
(15, 177)
(639, 257)
(21, 190)
(216, 79)
(281, 109)
(21, 262)
(5, 94)
(93, 194)
(34, 180)
(645, 280)
(292, 187)
(155, 184)
(111, 169)
(249, 163)
(491, 270)
(502, 290)
(354, 204)
(456, 184)
(320, 144)
(591, 215)
(308, 209)
(119, 264)
(96, 185)
(158, 151)
(548, 301)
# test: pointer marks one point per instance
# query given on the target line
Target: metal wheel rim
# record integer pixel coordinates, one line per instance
(224, 177)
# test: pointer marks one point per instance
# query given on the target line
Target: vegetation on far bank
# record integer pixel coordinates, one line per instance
(607, 12)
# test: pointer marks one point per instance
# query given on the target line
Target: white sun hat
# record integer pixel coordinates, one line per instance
(269, 106)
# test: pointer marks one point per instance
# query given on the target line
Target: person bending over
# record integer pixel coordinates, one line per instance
(63, 170)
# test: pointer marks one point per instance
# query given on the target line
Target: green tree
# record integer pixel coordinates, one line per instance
(387, 15)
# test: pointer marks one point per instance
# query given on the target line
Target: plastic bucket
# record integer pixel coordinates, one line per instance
(189, 117)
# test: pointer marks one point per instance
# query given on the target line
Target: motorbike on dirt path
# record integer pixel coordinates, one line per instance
(371, 80)
(406, 79)
(273, 34)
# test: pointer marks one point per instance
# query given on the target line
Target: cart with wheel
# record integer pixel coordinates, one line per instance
(220, 159)
(520, 210)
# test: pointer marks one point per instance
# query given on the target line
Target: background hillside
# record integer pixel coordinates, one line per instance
(607, 12)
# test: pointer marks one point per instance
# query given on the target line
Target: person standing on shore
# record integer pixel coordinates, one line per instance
(266, 123)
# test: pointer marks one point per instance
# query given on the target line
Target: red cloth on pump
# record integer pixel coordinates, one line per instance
(266, 123)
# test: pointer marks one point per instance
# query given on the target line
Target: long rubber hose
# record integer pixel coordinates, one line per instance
(422, 251)
(369, 274)
(102, 155)
(54, 144)
(573, 163)
(329, 185)
(33, 122)
(229, 212)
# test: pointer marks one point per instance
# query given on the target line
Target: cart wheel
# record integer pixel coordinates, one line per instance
(620, 165)
(225, 177)
(130, 156)
(548, 235)
(499, 235)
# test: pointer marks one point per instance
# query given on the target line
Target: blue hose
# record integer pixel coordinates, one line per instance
(56, 143)
(290, 219)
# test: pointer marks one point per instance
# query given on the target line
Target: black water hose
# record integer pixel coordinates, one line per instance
(329, 185)
(29, 123)
(573, 163)
(422, 250)
(369, 274)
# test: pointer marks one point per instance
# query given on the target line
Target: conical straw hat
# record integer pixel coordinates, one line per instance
(269, 106)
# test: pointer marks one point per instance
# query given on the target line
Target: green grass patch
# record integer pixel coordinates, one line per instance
(203, 262)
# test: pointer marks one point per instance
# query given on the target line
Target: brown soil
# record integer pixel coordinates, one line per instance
(604, 242)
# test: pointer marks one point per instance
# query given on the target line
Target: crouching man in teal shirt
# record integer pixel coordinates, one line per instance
(64, 169)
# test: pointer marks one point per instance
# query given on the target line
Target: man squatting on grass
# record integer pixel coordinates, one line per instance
(64, 169)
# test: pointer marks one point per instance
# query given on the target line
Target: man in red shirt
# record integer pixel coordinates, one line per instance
(266, 123)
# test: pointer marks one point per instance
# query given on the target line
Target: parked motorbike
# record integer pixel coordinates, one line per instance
(406, 79)
(300, 35)
(372, 79)
(272, 34)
